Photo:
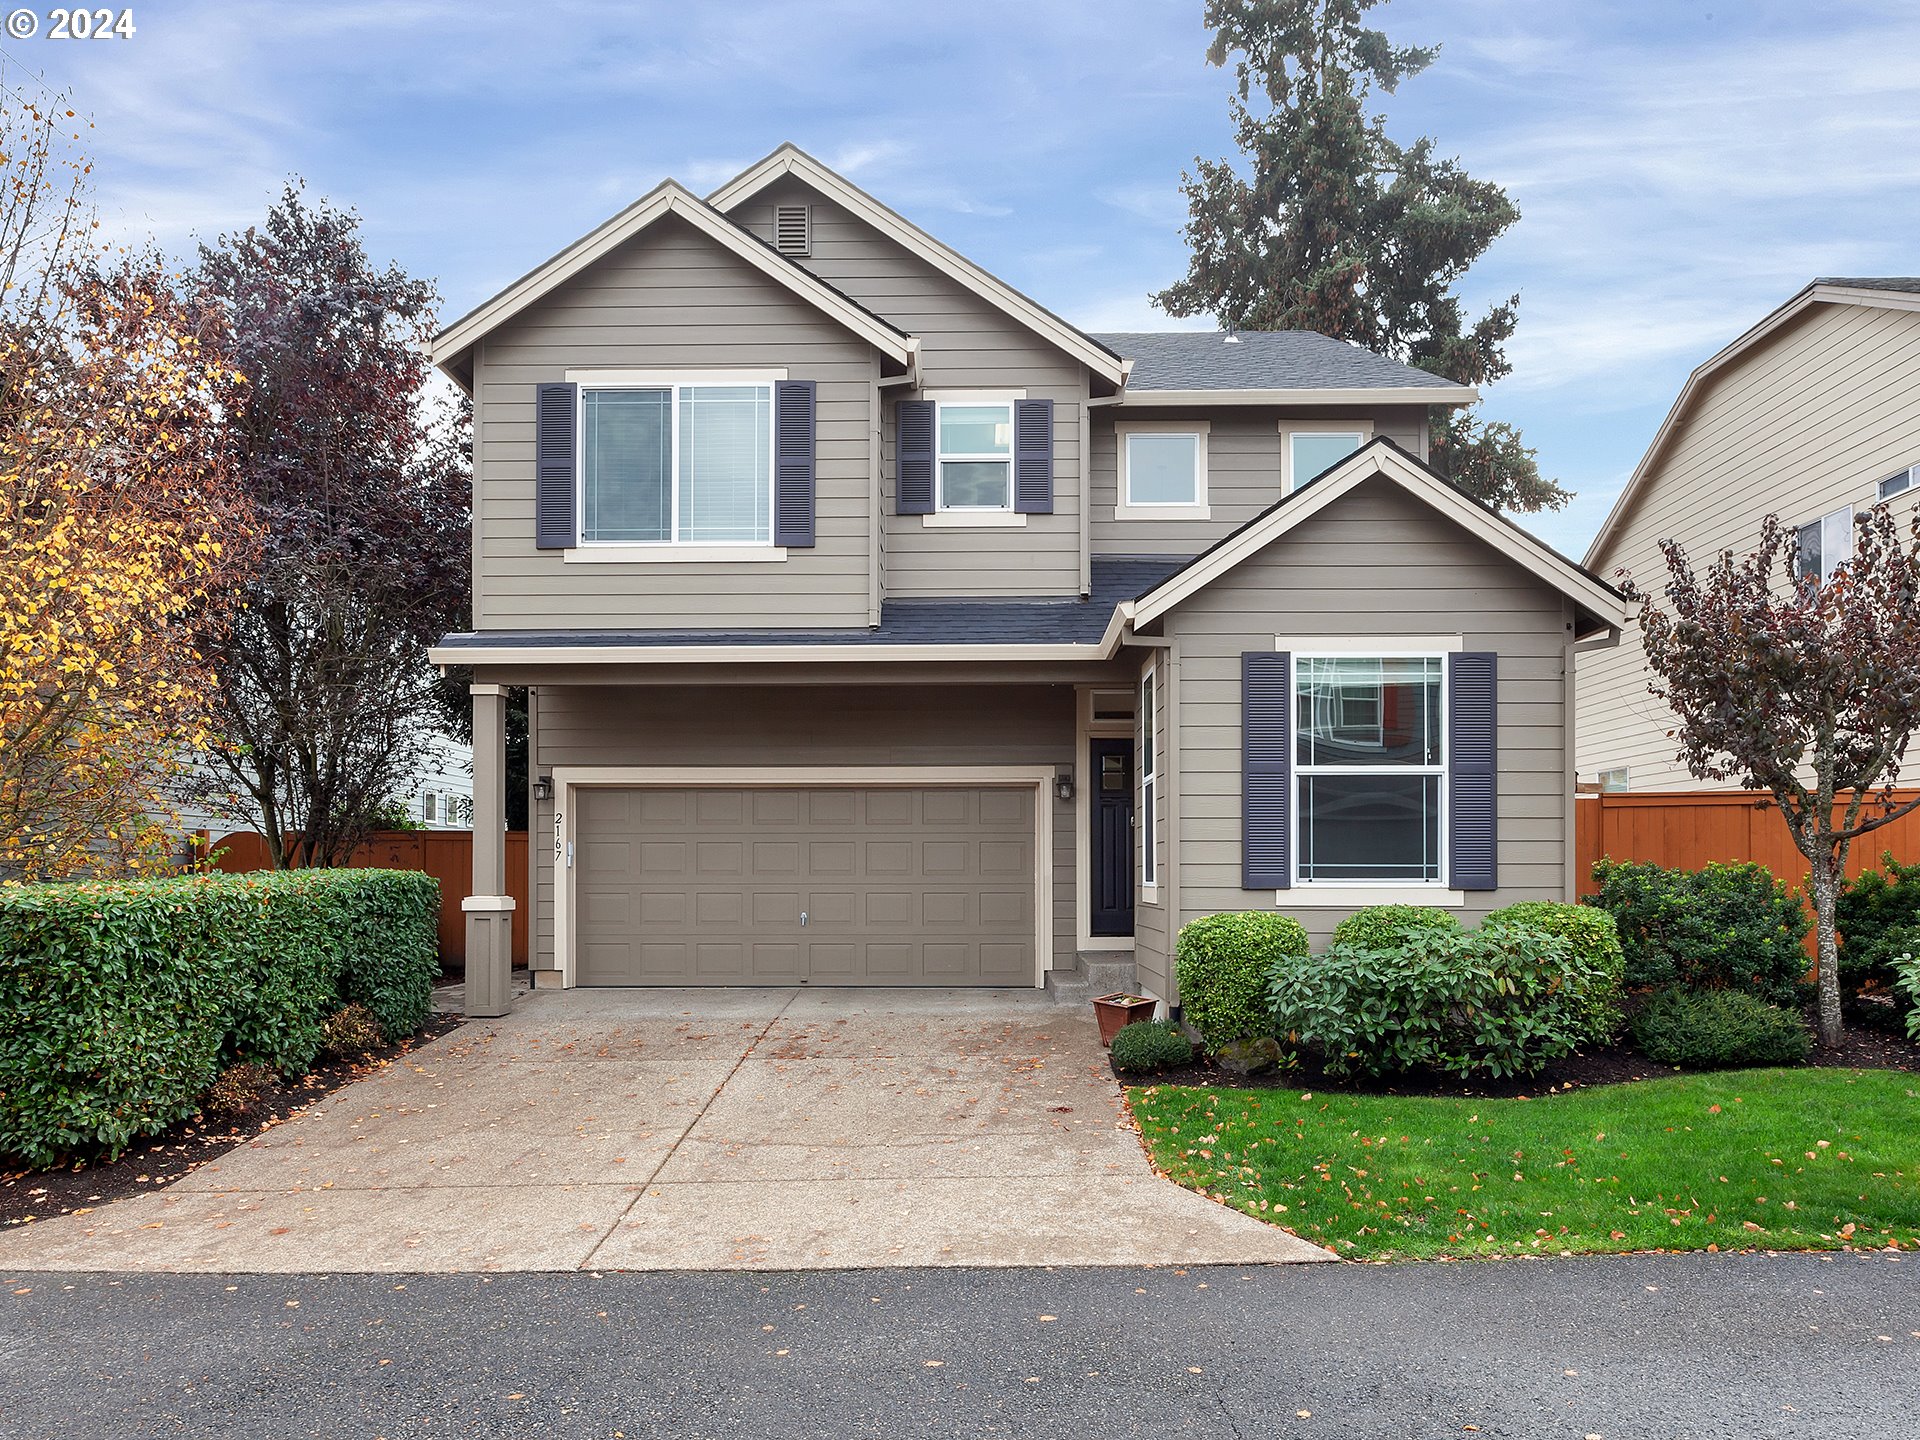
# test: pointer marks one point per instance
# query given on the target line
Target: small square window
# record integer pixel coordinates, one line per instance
(1163, 468)
(1313, 452)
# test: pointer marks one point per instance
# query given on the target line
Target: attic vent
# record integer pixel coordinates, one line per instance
(793, 229)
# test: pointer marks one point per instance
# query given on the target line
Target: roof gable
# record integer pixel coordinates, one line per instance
(1600, 602)
(791, 160)
(1889, 293)
(450, 349)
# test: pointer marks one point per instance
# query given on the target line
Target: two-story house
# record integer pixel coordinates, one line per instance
(1813, 415)
(883, 628)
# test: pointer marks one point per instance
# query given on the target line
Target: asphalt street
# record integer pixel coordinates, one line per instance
(1677, 1347)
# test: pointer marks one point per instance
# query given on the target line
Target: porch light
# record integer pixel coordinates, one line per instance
(543, 787)
(1063, 784)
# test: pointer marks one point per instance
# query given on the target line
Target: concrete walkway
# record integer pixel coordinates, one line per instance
(693, 1130)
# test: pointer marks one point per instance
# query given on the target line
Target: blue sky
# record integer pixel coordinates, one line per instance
(1681, 167)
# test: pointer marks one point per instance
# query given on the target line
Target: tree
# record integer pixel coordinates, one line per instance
(1337, 228)
(119, 529)
(1806, 689)
(325, 695)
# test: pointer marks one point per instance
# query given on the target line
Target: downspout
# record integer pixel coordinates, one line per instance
(874, 519)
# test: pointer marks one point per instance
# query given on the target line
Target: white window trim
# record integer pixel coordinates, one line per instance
(1198, 508)
(1352, 893)
(974, 519)
(672, 381)
(1290, 428)
(671, 552)
(1147, 821)
(969, 516)
(1908, 481)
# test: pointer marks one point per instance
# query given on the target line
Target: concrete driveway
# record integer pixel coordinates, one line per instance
(693, 1130)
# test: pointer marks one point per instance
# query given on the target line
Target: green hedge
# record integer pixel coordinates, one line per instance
(121, 1000)
(1222, 963)
(1719, 1030)
(1722, 927)
(1385, 927)
(1596, 943)
(1506, 999)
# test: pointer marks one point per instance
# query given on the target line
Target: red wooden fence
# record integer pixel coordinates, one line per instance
(447, 855)
(1687, 829)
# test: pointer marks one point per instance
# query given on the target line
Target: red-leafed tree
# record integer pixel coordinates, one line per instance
(1803, 687)
(326, 701)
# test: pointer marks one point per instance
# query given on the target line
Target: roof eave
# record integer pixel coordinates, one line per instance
(1307, 395)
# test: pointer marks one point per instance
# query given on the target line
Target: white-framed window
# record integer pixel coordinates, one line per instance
(1824, 545)
(1616, 778)
(1162, 469)
(1309, 447)
(676, 464)
(1149, 820)
(430, 808)
(973, 454)
(1899, 482)
(1370, 769)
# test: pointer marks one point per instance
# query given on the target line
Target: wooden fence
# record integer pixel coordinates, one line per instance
(1687, 829)
(447, 855)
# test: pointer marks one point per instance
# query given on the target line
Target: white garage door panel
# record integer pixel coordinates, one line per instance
(899, 886)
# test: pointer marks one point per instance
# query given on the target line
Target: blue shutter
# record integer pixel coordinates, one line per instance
(1473, 780)
(793, 470)
(555, 471)
(1033, 457)
(1266, 770)
(913, 448)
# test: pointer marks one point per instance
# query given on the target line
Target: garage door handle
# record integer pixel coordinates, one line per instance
(803, 919)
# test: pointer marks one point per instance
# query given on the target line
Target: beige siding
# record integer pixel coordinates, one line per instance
(1806, 424)
(965, 344)
(810, 725)
(1243, 471)
(1378, 562)
(671, 299)
(1152, 940)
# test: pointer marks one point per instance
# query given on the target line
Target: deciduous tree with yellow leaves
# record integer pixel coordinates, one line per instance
(119, 526)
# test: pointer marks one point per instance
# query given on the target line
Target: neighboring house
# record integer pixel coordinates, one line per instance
(884, 628)
(442, 797)
(1812, 415)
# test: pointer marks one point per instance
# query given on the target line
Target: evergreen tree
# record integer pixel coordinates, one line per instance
(1335, 227)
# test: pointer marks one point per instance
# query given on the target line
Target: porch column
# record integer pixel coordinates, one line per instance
(489, 909)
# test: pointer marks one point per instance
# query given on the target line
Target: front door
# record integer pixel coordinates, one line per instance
(1110, 866)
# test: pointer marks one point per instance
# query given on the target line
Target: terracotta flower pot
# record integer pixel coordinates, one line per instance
(1116, 1012)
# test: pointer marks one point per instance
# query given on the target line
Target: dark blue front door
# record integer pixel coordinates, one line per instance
(1110, 867)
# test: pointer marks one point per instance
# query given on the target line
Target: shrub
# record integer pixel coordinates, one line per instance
(1595, 939)
(1385, 927)
(1719, 1030)
(1504, 1000)
(237, 1090)
(1724, 927)
(1906, 979)
(1148, 1045)
(349, 1032)
(121, 1000)
(1876, 914)
(1222, 963)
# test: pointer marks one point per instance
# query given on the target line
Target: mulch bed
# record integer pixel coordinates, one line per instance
(28, 1195)
(1862, 1049)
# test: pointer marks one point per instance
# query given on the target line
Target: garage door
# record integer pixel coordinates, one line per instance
(897, 886)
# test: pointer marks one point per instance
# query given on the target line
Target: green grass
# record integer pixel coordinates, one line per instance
(1754, 1159)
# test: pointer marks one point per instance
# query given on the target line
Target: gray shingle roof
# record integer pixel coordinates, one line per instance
(1907, 284)
(1039, 621)
(1261, 360)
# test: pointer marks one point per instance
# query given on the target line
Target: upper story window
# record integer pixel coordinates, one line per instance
(975, 455)
(1163, 470)
(677, 465)
(1900, 482)
(1823, 545)
(1309, 447)
(1369, 767)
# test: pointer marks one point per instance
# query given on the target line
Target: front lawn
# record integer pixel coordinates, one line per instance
(1767, 1159)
